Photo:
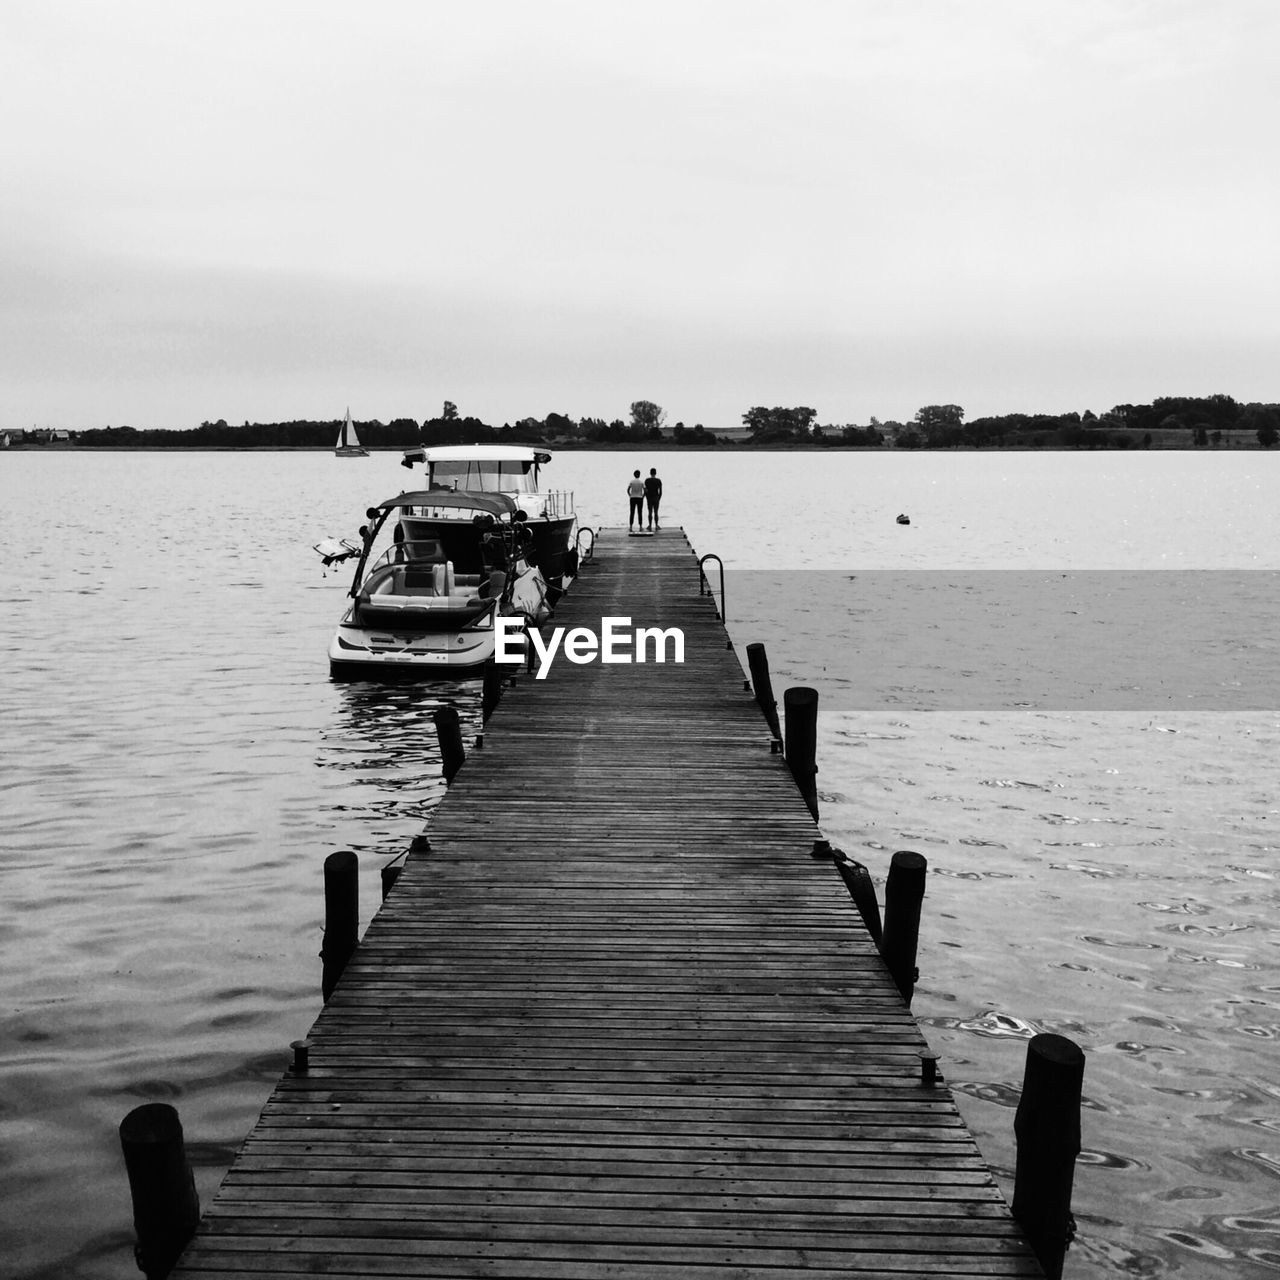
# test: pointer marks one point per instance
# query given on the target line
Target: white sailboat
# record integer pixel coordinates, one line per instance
(349, 445)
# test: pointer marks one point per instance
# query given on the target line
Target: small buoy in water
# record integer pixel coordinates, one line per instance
(904, 519)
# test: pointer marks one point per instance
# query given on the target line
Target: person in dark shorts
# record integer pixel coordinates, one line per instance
(635, 491)
(652, 496)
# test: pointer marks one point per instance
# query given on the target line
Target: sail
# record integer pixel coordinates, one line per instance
(349, 445)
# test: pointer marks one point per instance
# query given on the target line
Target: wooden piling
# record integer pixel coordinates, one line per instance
(491, 690)
(903, 893)
(301, 1056)
(390, 874)
(166, 1207)
(857, 879)
(341, 916)
(800, 706)
(928, 1068)
(449, 733)
(1047, 1127)
(758, 664)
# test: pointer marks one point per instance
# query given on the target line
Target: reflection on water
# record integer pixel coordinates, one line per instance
(382, 747)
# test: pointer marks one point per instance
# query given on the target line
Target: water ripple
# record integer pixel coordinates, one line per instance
(1117, 1259)
(1199, 1245)
(993, 1025)
(1268, 1160)
(1109, 1160)
(1003, 1095)
(1124, 944)
(1092, 870)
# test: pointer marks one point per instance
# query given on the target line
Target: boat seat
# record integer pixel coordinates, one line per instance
(416, 579)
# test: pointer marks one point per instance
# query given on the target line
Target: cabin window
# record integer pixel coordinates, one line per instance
(485, 477)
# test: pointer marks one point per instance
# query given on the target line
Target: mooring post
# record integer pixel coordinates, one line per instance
(928, 1068)
(449, 733)
(166, 1207)
(1047, 1127)
(800, 706)
(857, 879)
(491, 690)
(301, 1056)
(903, 893)
(390, 874)
(758, 664)
(341, 916)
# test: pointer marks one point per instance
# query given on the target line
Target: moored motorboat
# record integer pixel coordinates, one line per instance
(423, 610)
(513, 471)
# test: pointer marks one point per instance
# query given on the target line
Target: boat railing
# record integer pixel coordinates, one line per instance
(704, 583)
(559, 502)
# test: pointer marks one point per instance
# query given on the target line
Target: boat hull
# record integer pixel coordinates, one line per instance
(396, 673)
(362, 652)
(552, 542)
(359, 653)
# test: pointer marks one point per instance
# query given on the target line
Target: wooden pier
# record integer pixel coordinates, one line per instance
(618, 1021)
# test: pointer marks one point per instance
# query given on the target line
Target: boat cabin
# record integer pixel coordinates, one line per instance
(493, 468)
(480, 468)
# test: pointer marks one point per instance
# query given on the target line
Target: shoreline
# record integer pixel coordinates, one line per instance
(662, 446)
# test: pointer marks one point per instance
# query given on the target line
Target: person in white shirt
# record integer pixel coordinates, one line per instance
(635, 491)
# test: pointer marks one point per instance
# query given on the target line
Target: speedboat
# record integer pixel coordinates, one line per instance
(513, 471)
(424, 609)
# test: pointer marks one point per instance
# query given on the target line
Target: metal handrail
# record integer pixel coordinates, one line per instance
(558, 502)
(704, 586)
(586, 555)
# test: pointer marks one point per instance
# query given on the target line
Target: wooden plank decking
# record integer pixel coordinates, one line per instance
(618, 1022)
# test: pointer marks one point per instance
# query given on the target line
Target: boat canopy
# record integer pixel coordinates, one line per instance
(496, 504)
(476, 453)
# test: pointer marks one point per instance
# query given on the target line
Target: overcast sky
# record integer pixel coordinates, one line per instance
(267, 211)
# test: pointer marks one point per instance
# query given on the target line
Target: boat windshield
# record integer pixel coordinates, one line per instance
(486, 476)
(412, 551)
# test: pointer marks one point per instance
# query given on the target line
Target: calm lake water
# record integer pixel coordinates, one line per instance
(1102, 846)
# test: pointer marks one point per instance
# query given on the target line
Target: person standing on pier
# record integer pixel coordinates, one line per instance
(652, 496)
(635, 491)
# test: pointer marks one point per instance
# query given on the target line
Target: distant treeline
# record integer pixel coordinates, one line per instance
(1167, 422)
